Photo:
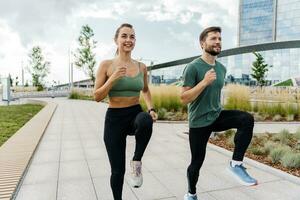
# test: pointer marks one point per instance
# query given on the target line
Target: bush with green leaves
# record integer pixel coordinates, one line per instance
(257, 150)
(283, 136)
(297, 134)
(229, 133)
(291, 160)
(269, 145)
(230, 140)
(162, 113)
(78, 95)
(278, 152)
(277, 117)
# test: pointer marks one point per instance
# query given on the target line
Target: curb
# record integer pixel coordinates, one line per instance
(16, 153)
(256, 164)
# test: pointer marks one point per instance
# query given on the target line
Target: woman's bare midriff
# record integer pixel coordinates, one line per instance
(122, 102)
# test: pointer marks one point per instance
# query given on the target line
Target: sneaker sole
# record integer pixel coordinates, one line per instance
(239, 180)
(134, 185)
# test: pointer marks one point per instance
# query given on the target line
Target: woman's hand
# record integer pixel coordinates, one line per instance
(118, 73)
(153, 115)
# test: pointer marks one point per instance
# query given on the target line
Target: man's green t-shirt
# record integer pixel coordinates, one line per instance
(205, 109)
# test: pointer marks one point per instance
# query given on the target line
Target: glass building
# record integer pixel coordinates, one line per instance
(256, 21)
(267, 21)
(270, 27)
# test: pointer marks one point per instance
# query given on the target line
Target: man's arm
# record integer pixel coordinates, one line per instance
(189, 94)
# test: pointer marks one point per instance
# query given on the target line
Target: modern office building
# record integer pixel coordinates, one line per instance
(271, 27)
(268, 21)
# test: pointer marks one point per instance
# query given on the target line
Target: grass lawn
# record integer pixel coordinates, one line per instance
(13, 117)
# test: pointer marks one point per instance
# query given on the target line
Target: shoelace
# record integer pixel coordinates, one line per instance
(137, 170)
(244, 170)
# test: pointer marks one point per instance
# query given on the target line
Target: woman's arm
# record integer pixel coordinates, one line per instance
(103, 83)
(146, 93)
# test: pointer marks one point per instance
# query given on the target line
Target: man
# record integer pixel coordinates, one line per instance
(203, 80)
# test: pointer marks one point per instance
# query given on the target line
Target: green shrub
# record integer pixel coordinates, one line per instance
(277, 117)
(167, 97)
(74, 95)
(297, 134)
(277, 153)
(292, 109)
(283, 136)
(269, 145)
(230, 140)
(238, 97)
(162, 113)
(258, 150)
(290, 117)
(297, 146)
(229, 133)
(78, 95)
(291, 160)
(259, 117)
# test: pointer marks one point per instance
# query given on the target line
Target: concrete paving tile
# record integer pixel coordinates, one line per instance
(284, 190)
(73, 170)
(232, 194)
(41, 173)
(70, 135)
(96, 153)
(76, 190)
(155, 163)
(91, 143)
(99, 167)
(71, 144)
(49, 145)
(151, 189)
(102, 185)
(164, 164)
(46, 156)
(44, 191)
(173, 180)
(72, 154)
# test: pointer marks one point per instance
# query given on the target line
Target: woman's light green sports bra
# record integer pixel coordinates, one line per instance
(128, 86)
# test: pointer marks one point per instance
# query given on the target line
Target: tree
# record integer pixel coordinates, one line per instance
(38, 67)
(84, 56)
(259, 69)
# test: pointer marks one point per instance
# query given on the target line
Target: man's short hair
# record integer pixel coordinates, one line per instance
(205, 32)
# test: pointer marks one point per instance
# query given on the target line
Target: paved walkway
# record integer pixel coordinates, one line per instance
(71, 164)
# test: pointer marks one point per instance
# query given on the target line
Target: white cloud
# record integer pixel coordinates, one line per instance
(54, 24)
(202, 12)
(12, 52)
(101, 10)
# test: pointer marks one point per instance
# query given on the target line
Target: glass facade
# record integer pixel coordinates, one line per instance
(285, 64)
(288, 20)
(261, 21)
(256, 22)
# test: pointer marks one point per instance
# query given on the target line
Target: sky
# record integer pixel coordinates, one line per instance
(165, 30)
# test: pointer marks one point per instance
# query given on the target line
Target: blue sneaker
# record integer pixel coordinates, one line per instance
(240, 173)
(190, 197)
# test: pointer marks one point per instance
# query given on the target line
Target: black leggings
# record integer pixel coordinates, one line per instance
(120, 122)
(198, 138)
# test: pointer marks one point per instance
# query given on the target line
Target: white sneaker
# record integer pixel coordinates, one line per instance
(136, 179)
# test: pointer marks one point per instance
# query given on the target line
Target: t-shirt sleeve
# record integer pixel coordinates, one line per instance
(225, 70)
(189, 76)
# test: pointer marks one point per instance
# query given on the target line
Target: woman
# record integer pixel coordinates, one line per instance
(122, 79)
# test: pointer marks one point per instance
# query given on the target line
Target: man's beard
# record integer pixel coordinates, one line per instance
(212, 52)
